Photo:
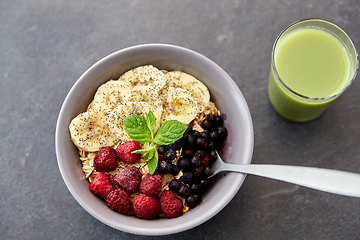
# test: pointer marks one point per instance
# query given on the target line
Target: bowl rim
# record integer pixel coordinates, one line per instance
(63, 119)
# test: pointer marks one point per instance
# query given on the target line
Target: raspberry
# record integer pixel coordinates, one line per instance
(146, 207)
(205, 161)
(118, 201)
(101, 185)
(151, 184)
(129, 179)
(124, 150)
(170, 204)
(105, 160)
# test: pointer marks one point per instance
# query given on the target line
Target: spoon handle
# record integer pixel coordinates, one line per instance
(333, 181)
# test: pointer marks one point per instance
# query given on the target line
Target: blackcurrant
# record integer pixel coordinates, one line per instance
(170, 154)
(204, 183)
(196, 160)
(187, 177)
(174, 170)
(164, 167)
(184, 163)
(161, 149)
(205, 135)
(206, 124)
(201, 142)
(194, 188)
(183, 190)
(191, 201)
(219, 121)
(214, 135)
(191, 140)
(174, 185)
(198, 171)
(208, 171)
(201, 153)
(222, 131)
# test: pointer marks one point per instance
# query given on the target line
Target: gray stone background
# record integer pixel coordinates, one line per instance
(46, 45)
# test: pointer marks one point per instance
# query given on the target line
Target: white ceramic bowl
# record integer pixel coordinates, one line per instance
(224, 92)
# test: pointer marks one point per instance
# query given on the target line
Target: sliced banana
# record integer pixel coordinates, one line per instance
(90, 132)
(145, 94)
(110, 94)
(178, 104)
(145, 76)
(115, 117)
(183, 80)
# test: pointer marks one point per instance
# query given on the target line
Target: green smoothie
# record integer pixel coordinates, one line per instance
(314, 64)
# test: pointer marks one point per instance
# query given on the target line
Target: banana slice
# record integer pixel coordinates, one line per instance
(90, 132)
(183, 80)
(115, 117)
(145, 94)
(178, 104)
(145, 76)
(110, 94)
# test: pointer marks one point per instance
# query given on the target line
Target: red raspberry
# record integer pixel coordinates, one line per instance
(129, 179)
(205, 161)
(146, 207)
(151, 184)
(171, 205)
(101, 185)
(105, 160)
(124, 150)
(118, 201)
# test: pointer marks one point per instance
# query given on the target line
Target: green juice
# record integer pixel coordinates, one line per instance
(315, 65)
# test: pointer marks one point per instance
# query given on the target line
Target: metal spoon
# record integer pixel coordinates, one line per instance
(327, 180)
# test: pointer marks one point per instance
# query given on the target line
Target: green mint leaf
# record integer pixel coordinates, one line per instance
(137, 129)
(144, 150)
(149, 155)
(169, 132)
(153, 162)
(151, 121)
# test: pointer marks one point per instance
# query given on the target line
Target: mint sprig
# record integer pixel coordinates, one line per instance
(137, 129)
(142, 130)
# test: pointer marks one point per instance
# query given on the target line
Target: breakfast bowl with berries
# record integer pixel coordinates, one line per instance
(137, 135)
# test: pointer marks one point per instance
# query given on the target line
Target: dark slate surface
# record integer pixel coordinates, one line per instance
(46, 45)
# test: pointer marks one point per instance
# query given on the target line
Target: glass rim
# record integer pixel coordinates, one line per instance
(301, 95)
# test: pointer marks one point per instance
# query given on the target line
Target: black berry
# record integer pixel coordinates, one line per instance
(196, 160)
(161, 149)
(198, 171)
(206, 124)
(187, 177)
(184, 163)
(170, 154)
(174, 185)
(214, 135)
(204, 183)
(196, 134)
(183, 190)
(222, 131)
(219, 121)
(172, 146)
(208, 171)
(164, 167)
(187, 132)
(201, 153)
(174, 170)
(188, 152)
(201, 142)
(191, 140)
(191, 201)
(194, 188)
